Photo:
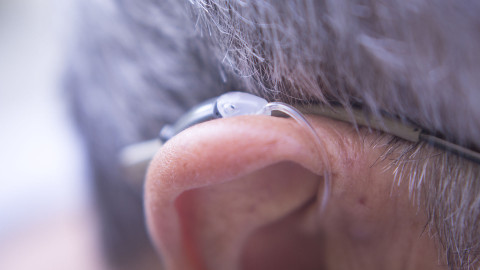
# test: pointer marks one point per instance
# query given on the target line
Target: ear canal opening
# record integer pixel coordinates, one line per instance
(308, 128)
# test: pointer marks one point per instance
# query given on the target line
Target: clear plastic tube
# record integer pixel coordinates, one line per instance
(302, 121)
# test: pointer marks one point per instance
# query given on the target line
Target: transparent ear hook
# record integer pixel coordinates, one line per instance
(240, 103)
(305, 124)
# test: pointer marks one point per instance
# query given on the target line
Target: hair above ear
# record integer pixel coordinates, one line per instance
(415, 60)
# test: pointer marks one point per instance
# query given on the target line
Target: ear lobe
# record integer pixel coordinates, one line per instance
(215, 185)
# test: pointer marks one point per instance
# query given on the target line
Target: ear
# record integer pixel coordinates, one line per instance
(212, 190)
(244, 193)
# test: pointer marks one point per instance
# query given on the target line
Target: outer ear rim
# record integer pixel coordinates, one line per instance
(293, 147)
(265, 141)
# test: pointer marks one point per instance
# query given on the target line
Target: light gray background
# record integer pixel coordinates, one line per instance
(41, 161)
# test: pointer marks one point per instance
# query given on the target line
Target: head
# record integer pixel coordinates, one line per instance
(246, 192)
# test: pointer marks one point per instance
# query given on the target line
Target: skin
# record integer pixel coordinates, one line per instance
(246, 193)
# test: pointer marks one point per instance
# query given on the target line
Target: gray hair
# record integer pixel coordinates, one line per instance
(140, 65)
(134, 67)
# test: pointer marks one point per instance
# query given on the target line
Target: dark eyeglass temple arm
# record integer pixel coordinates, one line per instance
(135, 158)
(391, 126)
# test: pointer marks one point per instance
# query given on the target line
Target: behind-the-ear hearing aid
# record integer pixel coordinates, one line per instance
(136, 158)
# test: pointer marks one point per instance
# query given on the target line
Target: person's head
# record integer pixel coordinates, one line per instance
(245, 193)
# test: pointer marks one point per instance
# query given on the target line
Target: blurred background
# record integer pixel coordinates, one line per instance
(44, 200)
